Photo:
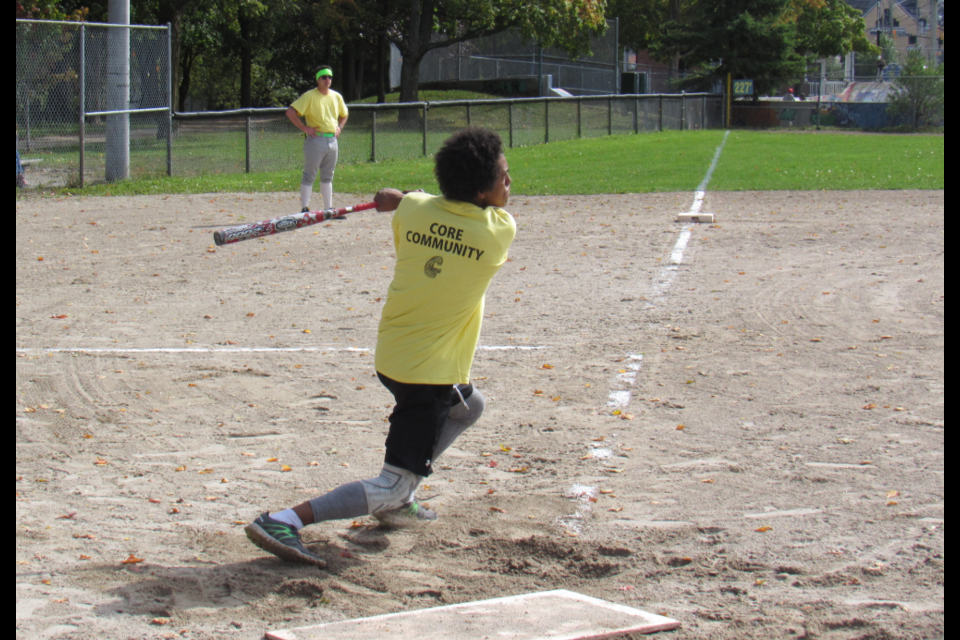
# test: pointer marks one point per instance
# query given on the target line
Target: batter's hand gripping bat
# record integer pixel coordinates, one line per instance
(284, 223)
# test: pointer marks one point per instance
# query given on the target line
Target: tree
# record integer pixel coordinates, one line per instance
(745, 38)
(418, 26)
(641, 22)
(827, 28)
(917, 94)
(761, 39)
(49, 10)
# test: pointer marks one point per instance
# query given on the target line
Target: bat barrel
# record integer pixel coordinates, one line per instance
(279, 225)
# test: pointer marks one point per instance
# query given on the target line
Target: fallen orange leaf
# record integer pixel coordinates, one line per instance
(870, 406)
(762, 529)
(546, 366)
(285, 468)
(182, 467)
(131, 559)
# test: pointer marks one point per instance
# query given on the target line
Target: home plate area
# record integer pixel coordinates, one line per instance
(548, 615)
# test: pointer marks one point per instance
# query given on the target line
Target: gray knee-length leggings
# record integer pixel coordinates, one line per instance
(321, 154)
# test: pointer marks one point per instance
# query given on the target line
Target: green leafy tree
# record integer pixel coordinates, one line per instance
(49, 10)
(745, 38)
(827, 28)
(764, 40)
(642, 22)
(418, 26)
(917, 94)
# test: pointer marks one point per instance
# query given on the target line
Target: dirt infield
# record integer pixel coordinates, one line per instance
(775, 468)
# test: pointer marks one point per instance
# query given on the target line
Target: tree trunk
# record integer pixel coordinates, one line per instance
(182, 90)
(382, 49)
(358, 76)
(346, 70)
(246, 61)
(409, 77)
(673, 13)
(419, 30)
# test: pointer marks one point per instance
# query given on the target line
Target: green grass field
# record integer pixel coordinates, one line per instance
(652, 162)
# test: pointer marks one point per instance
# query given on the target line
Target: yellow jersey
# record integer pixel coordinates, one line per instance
(447, 254)
(321, 111)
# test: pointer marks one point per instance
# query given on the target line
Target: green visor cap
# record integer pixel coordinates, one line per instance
(324, 72)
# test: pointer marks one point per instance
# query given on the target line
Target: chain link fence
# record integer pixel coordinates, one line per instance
(505, 56)
(893, 104)
(259, 140)
(72, 79)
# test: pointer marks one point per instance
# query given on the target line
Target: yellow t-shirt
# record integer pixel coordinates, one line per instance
(447, 254)
(321, 111)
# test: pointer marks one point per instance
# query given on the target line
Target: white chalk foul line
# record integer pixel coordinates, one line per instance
(620, 399)
(120, 350)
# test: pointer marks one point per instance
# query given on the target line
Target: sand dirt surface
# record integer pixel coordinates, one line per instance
(745, 435)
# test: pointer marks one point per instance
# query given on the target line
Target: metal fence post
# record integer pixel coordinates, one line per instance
(511, 125)
(247, 135)
(468, 115)
(683, 109)
(169, 101)
(660, 124)
(609, 116)
(579, 119)
(373, 138)
(546, 121)
(703, 114)
(636, 115)
(83, 103)
(425, 129)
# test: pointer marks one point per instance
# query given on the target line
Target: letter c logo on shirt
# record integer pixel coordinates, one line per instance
(430, 269)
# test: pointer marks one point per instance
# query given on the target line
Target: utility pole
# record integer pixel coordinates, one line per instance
(118, 92)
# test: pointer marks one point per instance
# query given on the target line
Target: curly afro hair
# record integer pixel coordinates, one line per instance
(468, 163)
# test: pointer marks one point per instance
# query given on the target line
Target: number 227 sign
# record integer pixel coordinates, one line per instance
(743, 87)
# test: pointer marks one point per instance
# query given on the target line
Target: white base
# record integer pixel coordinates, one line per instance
(549, 615)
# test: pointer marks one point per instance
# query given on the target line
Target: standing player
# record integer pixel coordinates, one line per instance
(448, 250)
(325, 113)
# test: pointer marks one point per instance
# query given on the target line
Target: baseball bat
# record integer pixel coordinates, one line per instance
(241, 232)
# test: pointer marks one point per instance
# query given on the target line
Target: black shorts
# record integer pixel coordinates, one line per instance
(416, 421)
